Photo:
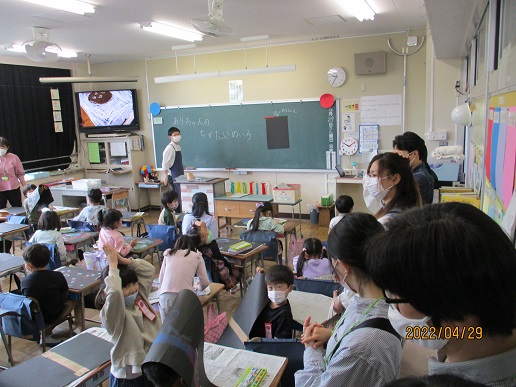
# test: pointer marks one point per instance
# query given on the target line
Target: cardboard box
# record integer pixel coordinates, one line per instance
(327, 200)
(86, 184)
(287, 195)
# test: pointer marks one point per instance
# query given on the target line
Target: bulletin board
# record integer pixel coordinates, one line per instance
(264, 135)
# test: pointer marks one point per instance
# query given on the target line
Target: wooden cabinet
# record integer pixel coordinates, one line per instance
(244, 207)
(114, 160)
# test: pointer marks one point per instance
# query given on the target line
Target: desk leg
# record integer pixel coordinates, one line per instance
(243, 288)
(300, 232)
(80, 309)
(139, 198)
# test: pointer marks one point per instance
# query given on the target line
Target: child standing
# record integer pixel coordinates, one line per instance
(313, 261)
(263, 220)
(217, 267)
(169, 200)
(127, 315)
(47, 286)
(49, 225)
(36, 201)
(90, 213)
(200, 211)
(344, 205)
(110, 220)
(180, 266)
(276, 317)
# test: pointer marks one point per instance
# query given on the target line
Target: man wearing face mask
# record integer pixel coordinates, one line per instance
(413, 147)
(448, 273)
(275, 320)
(173, 162)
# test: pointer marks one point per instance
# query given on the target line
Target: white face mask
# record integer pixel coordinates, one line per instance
(401, 324)
(3, 152)
(374, 205)
(277, 296)
(176, 139)
(130, 300)
(374, 187)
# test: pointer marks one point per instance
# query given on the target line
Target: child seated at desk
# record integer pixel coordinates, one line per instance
(344, 205)
(276, 320)
(263, 219)
(200, 211)
(313, 261)
(49, 225)
(36, 200)
(48, 287)
(217, 267)
(169, 201)
(90, 213)
(180, 266)
(109, 221)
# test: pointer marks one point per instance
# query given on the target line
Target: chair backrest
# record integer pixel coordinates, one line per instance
(267, 237)
(29, 319)
(289, 348)
(317, 286)
(16, 219)
(168, 234)
(55, 259)
(80, 225)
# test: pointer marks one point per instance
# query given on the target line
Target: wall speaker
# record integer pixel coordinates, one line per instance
(369, 63)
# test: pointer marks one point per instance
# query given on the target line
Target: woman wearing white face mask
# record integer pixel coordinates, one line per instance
(11, 176)
(389, 186)
(172, 163)
(448, 270)
(363, 349)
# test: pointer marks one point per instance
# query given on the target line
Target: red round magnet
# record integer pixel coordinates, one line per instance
(327, 101)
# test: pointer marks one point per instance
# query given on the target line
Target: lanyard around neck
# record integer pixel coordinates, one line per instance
(330, 353)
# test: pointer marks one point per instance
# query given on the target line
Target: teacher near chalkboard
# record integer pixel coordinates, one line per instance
(173, 161)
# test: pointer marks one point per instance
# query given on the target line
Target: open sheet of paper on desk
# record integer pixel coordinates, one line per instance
(305, 304)
(224, 366)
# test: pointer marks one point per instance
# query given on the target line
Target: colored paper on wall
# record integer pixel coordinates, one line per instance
(492, 145)
(500, 152)
(488, 143)
(509, 169)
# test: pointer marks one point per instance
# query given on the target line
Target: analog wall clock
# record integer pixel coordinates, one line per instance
(349, 146)
(336, 76)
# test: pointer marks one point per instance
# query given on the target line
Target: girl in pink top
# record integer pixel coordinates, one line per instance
(110, 220)
(180, 266)
(11, 176)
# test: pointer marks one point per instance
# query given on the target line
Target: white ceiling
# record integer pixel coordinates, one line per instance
(112, 32)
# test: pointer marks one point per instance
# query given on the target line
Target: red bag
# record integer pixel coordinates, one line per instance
(215, 325)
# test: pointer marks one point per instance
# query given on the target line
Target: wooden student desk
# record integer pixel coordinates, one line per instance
(10, 264)
(144, 247)
(79, 239)
(8, 229)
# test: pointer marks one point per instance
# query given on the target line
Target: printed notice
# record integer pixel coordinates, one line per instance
(381, 109)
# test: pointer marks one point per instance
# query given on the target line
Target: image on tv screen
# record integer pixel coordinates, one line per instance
(106, 108)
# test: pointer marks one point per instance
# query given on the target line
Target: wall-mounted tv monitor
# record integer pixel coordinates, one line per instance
(107, 111)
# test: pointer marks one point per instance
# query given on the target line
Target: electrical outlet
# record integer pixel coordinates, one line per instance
(431, 136)
(442, 135)
(443, 143)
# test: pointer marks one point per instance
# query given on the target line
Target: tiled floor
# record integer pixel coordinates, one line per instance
(25, 349)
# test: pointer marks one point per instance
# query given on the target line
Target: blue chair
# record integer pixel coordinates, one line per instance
(79, 225)
(168, 234)
(317, 286)
(55, 259)
(267, 237)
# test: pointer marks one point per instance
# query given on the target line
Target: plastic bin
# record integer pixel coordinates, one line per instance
(314, 217)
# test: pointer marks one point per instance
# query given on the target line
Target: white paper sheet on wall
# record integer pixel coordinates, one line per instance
(381, 109)
(117, 149)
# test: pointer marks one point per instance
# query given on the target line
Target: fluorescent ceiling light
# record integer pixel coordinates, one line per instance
(229, 73)
(87, 79)
(360, 9)
(254, 38)
(73, 6)
(63, 53)
(171, 31)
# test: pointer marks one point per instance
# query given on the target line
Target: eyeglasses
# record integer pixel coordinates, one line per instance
(392, 298)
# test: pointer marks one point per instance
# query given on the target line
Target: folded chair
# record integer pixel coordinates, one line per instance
(55, 259)
(22, 317)
(269, 238)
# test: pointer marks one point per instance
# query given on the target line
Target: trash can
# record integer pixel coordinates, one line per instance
(314, 216)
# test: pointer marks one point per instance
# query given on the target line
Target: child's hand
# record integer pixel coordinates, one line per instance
(260, 270)
(337, 305)
(199, 223)
(314, 334)
(134, 242)
(112, 256)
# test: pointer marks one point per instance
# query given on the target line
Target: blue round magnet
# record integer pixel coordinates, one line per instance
(155, 108)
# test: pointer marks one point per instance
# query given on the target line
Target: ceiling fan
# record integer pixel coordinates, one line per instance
(41, 49)
(213, 24)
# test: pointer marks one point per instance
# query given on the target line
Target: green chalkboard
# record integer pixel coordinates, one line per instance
(275, 135)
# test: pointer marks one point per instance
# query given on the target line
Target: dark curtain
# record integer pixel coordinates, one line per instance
(26, 115)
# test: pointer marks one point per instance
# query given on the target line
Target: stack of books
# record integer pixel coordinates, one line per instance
(239, 247)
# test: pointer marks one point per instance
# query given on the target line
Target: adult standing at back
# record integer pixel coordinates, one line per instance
(173, 162)
(413, 147)
(12, 175)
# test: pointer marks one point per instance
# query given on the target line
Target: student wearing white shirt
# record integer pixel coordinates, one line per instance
(173, 162)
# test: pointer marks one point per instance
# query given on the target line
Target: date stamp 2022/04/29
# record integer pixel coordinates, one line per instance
(426, 332)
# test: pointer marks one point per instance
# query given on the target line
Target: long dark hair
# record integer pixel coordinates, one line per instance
(200, 205)
(49, 220)
(195, 236)
(184, 242)
(406, 191)
(311, 246)
(262, 208)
